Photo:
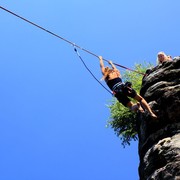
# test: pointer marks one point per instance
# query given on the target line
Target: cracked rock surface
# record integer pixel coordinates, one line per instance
(159, 140)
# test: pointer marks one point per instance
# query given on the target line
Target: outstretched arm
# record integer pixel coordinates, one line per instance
(113, 66)
(101, 64)
(115, 69)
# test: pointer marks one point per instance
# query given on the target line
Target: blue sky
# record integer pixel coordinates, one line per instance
(53, 114)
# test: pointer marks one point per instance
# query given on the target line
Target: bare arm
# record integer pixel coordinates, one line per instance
(113, 66)
(101, 64)
(115, 69)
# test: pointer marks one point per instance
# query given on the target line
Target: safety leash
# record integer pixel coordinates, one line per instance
(91, 71)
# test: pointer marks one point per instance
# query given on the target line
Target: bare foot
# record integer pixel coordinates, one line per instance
(153, 116)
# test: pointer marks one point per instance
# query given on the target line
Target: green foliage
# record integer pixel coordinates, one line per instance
(122, 120)
(134, 77)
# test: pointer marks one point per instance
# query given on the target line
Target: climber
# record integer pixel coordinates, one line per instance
(162, 57)
(122, 91)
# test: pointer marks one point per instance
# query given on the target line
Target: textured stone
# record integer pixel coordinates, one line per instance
(159, 140)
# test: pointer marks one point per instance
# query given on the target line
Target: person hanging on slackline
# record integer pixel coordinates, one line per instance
(122, 91)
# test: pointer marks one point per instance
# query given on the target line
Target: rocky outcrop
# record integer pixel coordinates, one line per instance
(159, 140)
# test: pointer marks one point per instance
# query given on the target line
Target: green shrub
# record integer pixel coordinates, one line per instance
(122, 120)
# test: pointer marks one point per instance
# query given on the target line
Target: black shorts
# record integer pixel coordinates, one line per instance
(123, 93)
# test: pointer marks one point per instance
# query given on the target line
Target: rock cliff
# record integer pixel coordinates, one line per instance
(159, 140)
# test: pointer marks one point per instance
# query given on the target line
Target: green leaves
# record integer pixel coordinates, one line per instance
(122, 120)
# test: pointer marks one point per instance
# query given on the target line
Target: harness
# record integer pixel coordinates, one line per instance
(118, 87)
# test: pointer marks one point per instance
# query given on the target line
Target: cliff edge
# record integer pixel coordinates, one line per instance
(159, 140)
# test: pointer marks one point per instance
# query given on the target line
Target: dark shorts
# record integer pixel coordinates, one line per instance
(123, 93)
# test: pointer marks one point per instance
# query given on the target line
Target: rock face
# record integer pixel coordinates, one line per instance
(159, 140)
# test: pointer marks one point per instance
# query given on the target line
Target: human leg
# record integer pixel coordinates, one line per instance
(144, 104)
(123, 99)
(134, 107)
